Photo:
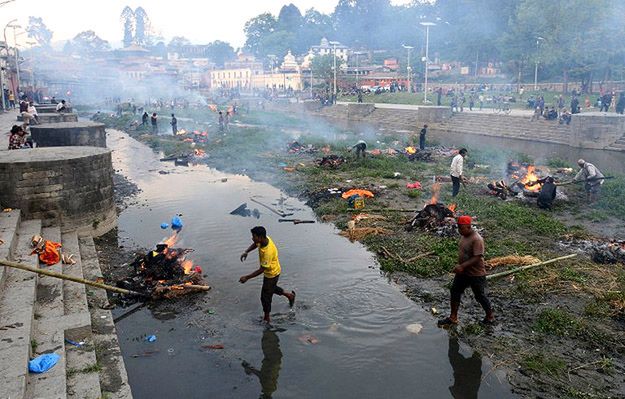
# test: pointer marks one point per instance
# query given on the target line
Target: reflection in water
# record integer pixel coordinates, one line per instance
(270, 367)
(467, 372)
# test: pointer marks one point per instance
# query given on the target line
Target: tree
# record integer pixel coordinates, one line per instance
(256, 29)
(219, 52)
(177, 42)
(289, 19)
(142, 26)
(128, 20)
(315, 26)
(86, 43)
(38, 31)
(323, 67)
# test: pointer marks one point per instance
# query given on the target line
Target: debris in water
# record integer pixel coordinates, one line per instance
(414, 328)
(151, 338)
(308, 339)
(214, 346)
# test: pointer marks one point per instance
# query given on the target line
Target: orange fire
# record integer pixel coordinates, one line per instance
(436, 190)
(186, 264)
(410, 150)
(452, 207)
(530, 179)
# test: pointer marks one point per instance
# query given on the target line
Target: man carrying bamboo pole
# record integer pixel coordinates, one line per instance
(593, 178)
(470, 272)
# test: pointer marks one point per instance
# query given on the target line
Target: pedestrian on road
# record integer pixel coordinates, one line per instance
(470, 272)
(174, 124)
(269, 268)
(457, 165)
(422, 135)
(154, 121)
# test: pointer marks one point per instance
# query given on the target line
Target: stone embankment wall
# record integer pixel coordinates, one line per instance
(53, 117)
(70, 187)
(69, 134)
(587, 131)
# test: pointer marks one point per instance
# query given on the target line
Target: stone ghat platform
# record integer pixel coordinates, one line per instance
(47, 108)
(53, 117)
(70, 187)
(63, 134)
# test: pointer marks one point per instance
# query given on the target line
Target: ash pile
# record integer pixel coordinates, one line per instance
(604, 252)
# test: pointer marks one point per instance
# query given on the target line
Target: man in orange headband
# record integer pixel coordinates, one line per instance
(470, 272)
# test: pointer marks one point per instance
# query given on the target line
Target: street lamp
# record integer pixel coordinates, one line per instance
(408, 68)
(538, 39)
(426, 60)
(334, 52)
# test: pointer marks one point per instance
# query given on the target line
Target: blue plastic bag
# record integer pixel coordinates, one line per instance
(43, 363)
(164, 225)
(176, 223)
(150, 338)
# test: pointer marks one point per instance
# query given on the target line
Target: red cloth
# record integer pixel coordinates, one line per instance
(464, 219)
(49, 254)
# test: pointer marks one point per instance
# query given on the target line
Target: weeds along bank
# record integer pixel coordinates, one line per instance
(560, 326)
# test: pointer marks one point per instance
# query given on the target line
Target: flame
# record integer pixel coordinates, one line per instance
(452, 207)
(199, 152)
(181, 132)
(410, 150)
(171, 241)
(436, 190)
(187, 265)
(530, 179)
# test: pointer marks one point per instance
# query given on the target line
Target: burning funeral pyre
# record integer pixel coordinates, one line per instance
(435, 216)
(165, 272)
(524, 179)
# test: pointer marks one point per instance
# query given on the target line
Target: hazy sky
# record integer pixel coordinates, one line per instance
(200, 21)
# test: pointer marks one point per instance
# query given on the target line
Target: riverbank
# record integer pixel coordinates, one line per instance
(575, 304)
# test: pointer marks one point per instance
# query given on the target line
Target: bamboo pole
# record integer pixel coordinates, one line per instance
(518, 269)
(71, 278)
(282, 214)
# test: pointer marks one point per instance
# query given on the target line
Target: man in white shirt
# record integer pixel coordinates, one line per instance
(593, 178)
(60, 107)
(457, 165)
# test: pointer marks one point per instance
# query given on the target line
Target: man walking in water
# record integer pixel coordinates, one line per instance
(269, 267)
(470, 272)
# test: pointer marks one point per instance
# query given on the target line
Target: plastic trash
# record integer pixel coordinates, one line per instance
(150, 338)
(43, 363)
(414, 328)
(69, 341)
(415, 185)
(164, 225)
(176, 223)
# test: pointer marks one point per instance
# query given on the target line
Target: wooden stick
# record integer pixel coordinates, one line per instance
(425, 255)
(518, 269)
(282, 214)
(71, 278)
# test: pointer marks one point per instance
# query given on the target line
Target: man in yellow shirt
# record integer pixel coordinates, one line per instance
(269, 267)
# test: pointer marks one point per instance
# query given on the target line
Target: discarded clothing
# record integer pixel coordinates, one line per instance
(43, 363)
(49, 253)
(415, 185)
(360, 192)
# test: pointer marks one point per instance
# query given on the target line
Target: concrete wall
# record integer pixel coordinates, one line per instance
(47, 108)
(53, 117)
(70, 187)
(89, 134)
(596, 130)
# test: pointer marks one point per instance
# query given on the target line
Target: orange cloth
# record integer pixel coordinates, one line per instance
(49, 254)
(362, 193)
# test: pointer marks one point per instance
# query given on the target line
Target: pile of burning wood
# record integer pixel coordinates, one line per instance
(604, 252)
(525, 179)
(297, 148)
(165, 272)
(331, 161)
(435, 217)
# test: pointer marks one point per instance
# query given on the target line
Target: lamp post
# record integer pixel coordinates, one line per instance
(408, 68)
(538, 39)
(17, 52)
(334, 92)
(426, 59)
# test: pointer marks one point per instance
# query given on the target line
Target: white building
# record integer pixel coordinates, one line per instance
(327, 48)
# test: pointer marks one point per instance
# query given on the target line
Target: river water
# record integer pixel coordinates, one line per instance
(345, 338)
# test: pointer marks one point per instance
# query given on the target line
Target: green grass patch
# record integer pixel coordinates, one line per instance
(541, 364)
(557, 322)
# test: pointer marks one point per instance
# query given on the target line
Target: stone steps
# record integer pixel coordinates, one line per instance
(113, 376)
(9, 222)
(48, 331)
(82, 367)
(17, 304)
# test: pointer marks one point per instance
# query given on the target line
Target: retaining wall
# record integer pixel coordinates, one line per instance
(53, 117)
(70, 187)
(89, 134)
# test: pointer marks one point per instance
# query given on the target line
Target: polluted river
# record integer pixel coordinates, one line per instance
(352, 333)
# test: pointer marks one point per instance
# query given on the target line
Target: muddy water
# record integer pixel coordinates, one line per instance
(345, 338)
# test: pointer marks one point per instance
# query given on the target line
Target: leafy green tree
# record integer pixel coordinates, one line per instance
(219, 52)
(256, 29)
(38, 31)
(128, 20)
(322, 67)
(86, 43)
